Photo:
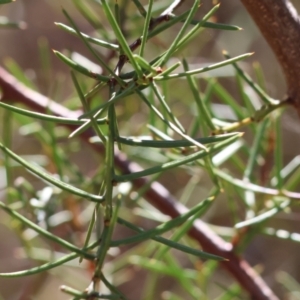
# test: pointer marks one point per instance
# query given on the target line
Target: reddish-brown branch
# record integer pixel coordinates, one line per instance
(157, 195)
(279, 23)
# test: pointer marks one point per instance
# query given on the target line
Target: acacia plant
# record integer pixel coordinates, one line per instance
(142, 103)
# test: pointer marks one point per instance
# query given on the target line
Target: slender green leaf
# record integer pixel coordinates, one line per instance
(50, 178)
(173, 46)
(6, 1)
(90, 39)
(44, 232)
(264, 97)
(177, 163)
(146, 28)
(121, 39)
(205, 69)
(264, 216)
(203, 111)
(168, 123)
(102, 62)
(259, 136)
(50, 118)
(142, 142)
(75, 66)
(172, 244)
(244, 185)
(278, 153)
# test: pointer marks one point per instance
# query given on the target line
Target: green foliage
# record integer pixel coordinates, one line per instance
(188, 137)
(5, 1)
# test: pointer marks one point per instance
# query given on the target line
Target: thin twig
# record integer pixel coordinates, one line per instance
(157, 195)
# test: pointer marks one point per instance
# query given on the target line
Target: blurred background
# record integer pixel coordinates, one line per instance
(23, 46)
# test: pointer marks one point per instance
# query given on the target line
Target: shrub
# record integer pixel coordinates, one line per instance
(139, 100)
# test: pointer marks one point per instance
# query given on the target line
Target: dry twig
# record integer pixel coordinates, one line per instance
(279, 23)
